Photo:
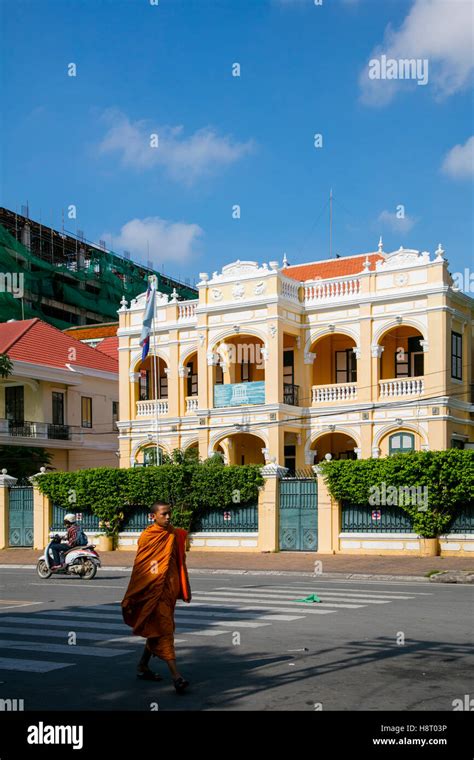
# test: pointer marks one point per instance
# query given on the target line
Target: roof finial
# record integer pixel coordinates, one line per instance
(174, 296)
(439, 253)
(285, 261)
(366, 263)
(380, 245)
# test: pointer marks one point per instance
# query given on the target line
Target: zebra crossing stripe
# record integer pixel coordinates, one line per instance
(86, 635)
(353, 601)
(62, 648)
(263, 606)
(62, 623)
(329, 593)
(32, 666)
(251, 598)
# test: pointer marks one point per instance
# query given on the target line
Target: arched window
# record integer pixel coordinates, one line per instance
(400, 443)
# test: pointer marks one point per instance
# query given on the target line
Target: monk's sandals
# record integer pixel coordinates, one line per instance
(180, 684)
(148, 675)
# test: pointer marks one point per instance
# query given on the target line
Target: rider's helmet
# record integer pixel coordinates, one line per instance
(70, 518)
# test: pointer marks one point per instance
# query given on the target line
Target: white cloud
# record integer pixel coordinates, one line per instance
(459, 161)
(157, 240)
(401, 225)
(186, 159)
(437, 30)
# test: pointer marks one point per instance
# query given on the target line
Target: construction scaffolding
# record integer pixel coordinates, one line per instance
(66, 280)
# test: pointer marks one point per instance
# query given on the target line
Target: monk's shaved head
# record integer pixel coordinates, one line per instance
(159, 505)
(162, 513)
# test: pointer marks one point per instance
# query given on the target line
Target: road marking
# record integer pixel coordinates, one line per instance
(203, 632)
(74, 583)
(376, 599)
(265, 606)
(17, 604)
(252, 598)
(87, 635)
(317, 579)
(62, 648)
(233, 623)
(62, 623)
(32, 666)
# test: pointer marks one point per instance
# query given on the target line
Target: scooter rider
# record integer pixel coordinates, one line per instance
(59, 549)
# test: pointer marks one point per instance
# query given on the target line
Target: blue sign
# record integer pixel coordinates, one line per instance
(238, 394)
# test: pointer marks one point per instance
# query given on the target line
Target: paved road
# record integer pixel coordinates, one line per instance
(244, 643)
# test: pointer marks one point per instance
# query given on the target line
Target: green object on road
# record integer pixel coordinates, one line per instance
(311, 599)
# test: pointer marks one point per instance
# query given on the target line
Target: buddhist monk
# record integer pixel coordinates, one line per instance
(159, 577)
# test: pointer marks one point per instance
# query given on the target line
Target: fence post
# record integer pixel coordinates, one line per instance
(41, 514)
(328, 518)
(268, 504)
(6, 481)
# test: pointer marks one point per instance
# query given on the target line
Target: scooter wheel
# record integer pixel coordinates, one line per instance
(90, 570)
(43, 570)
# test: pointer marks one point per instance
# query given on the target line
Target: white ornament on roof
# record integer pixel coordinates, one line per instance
(285, 261)
(404, 257)
(240, 270)
(439, 253)
(380, 244)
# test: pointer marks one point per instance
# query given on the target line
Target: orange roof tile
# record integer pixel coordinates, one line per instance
(92, 332)
(348, 265)
(39, 343)
(109, 346)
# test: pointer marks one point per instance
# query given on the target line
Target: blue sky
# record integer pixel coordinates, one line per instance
(166, 70)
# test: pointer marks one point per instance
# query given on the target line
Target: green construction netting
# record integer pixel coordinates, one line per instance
(97, 286)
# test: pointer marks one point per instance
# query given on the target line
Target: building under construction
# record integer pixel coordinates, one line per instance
(65, 279)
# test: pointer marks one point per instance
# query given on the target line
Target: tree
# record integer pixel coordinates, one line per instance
(23, 461)
(6, 365)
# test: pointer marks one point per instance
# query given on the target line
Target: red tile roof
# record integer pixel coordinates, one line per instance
(109, 346)
(39, 343)
(93, 332)
(348, 265)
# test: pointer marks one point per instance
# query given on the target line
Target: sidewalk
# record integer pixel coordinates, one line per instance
(302, 562)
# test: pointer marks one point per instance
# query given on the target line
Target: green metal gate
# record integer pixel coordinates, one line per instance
(21, 515)
(298, 514)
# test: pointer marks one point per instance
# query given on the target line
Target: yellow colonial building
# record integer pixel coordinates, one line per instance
(353, 357)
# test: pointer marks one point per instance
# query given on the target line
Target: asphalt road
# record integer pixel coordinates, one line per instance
(243, 643)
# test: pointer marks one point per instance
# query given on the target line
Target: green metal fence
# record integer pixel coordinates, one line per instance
(367, 519)
(87, 520)
(464, 521)
(232, 520)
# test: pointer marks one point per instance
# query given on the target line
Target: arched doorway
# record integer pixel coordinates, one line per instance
(339, 445)
(402, 362)
(238, 375)
(334, 369)
(242, 448)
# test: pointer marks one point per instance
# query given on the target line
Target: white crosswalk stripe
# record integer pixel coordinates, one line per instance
(101, 632)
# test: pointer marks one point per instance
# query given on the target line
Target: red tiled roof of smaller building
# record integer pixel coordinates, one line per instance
(330, 268)
(39, 343)
(109, 346)
(93, 332)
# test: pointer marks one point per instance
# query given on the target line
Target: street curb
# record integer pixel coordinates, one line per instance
(287, 573)
(222, 571)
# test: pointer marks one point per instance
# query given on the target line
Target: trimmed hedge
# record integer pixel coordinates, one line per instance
(448, 477)
(111, 493)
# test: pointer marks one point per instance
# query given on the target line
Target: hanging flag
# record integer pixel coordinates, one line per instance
(147, 320)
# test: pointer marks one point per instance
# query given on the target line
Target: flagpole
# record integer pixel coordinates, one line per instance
(155, 375)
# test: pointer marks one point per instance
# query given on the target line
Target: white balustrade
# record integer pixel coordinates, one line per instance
(152, 408)
(192, 403)
(187, 310)
(336, 392)
(290, 290)
(331, 290)
(402, 386)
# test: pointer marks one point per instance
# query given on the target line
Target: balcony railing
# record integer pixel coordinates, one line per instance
(335, 392)
(187, 310)
(402, 386)
(239, 394)
(192, 404)
(59, 432)
(28, 429)
(344, 288)
(152, 408)
(291, 394)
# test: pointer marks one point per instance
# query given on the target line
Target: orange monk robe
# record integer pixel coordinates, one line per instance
(159, 577)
